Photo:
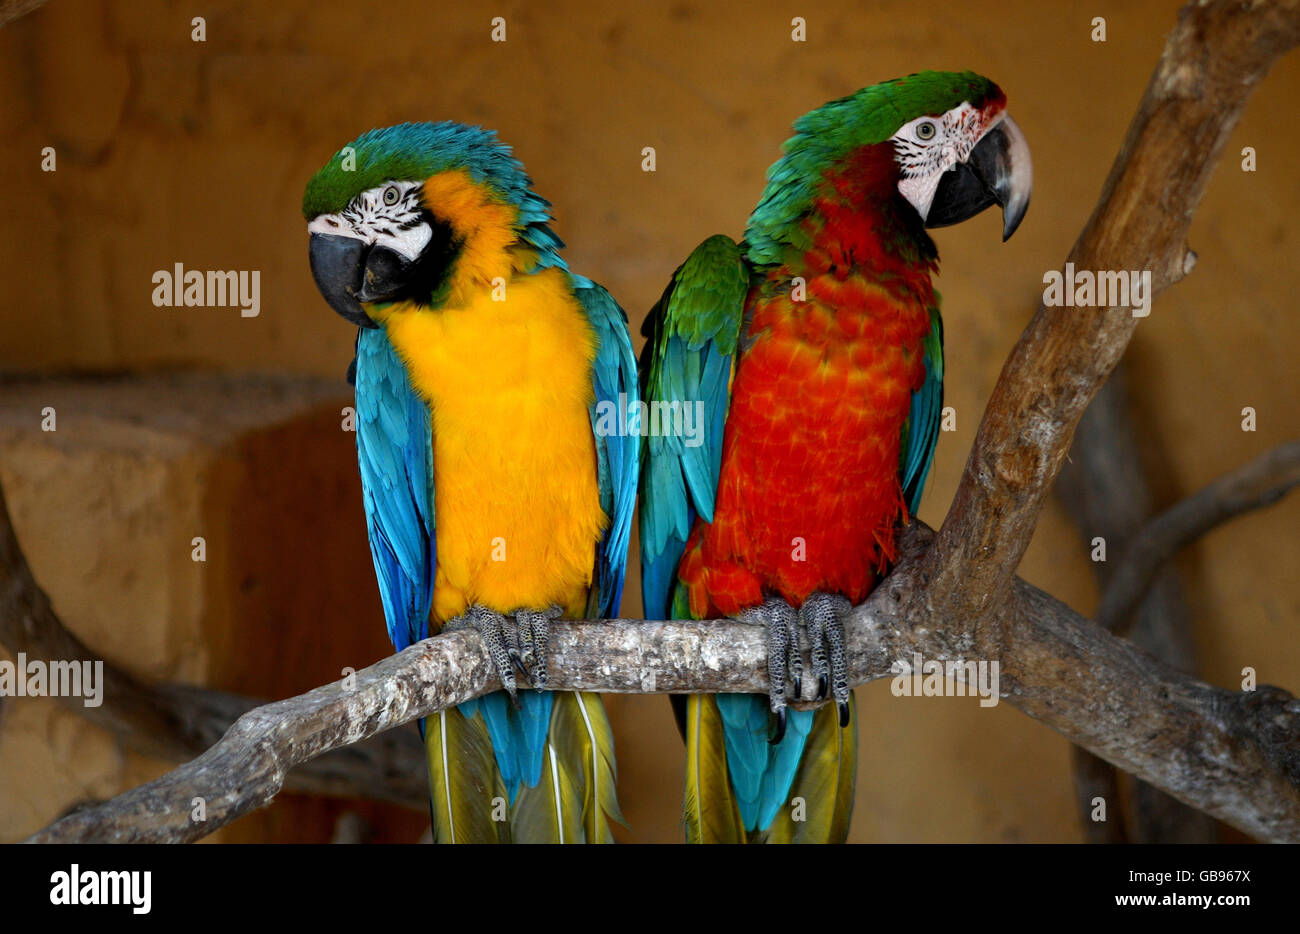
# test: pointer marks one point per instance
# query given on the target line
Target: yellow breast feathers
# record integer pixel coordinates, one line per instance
(517, 502)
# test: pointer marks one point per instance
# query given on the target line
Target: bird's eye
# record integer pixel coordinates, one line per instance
(391, 194)
(925, 130)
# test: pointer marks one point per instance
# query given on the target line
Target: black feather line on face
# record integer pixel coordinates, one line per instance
(431, 270)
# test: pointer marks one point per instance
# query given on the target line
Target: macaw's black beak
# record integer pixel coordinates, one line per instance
(999, 171)
(338, 265)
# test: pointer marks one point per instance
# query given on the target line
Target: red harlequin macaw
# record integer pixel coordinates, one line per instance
(482, 369)
(815, 351)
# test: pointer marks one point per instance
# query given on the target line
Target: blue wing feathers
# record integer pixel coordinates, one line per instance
(394, 452)
(745, 725)
(761, 774)
(784, 763)
(614, 383)
(518, 737)
(533, 721)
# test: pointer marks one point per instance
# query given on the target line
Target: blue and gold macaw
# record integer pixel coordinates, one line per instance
(483, 370)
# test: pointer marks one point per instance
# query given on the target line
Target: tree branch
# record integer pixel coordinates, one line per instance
(177, 721)
(1259, 483)
(1230, 754)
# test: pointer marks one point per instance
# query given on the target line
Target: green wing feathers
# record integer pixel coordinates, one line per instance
(691, 338)
(550, 811)
(921, 428)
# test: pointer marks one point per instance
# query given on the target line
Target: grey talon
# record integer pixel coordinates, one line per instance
(823, 614)
(493, 628)
(839, 661)
(795, 662)
(534, 633)
(815, 622)
(781, 623)
(542, 642)
(527, 650)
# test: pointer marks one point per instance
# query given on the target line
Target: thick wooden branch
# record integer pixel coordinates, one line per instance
(1259, 483)
(1232, 755)
(1215, 56)
(177, 722)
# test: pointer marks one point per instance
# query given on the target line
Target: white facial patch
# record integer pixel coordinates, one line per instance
(388, 216)
(922, 161)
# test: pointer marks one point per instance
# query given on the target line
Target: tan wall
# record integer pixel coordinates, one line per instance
(174, 151)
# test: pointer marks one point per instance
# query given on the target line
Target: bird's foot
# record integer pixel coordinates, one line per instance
(784, 658)
(822, 614)
(515, 641)
(534, 629)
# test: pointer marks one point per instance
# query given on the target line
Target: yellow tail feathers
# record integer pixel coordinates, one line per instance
(575, 801)
(820, 802)
(710, 811)
(466, 794)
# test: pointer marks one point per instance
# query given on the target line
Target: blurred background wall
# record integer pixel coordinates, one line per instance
(175, 151)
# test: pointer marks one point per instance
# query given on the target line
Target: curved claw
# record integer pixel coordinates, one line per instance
(823, 685)
(844, 714)
(779, 733)
(517, 660)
